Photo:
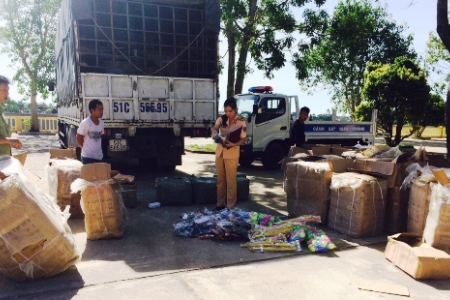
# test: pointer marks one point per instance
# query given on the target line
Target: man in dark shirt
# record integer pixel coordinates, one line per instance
(298, 128)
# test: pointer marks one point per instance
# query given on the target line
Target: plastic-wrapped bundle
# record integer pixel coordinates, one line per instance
(194, 224)
(35, 240)
(437, 226)
(61, 174)
(419, 203)
(357, 204)
(318, 241)
(307, 186)
(228, 223)
(103, 207)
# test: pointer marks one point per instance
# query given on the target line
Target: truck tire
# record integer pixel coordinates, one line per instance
(245, 160)
(272, 156)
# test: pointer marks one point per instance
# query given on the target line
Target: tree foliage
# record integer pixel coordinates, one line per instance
(259, 28)
(400, 93)
(12, 106)
(437, 61)
(338, 47)
(28, 36)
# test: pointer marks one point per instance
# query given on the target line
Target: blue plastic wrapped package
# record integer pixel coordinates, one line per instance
(228, 223)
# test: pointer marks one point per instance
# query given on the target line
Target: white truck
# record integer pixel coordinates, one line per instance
(269, 117)
(153, 64)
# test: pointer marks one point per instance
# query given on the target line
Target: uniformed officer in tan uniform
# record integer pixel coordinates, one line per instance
(232, 131)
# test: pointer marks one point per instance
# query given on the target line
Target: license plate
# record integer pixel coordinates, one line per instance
(118, 145)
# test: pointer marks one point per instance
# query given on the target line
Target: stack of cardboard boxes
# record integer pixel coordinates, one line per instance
(366, 199)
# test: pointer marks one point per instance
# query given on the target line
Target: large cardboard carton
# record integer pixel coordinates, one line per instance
(357, 204)
(62, 172)
(419, 260)
(307, 186)
(379, 167)
(101, 201)
(328, 150)
(35, 240)
(63, 153)
(437, 226)
(419, 202)
(394, 171)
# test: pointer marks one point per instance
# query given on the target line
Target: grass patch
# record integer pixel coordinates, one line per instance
(206, 147)
(405, 146)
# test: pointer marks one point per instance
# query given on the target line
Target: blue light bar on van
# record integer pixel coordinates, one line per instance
(260, 89)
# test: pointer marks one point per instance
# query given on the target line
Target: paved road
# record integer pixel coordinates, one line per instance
(149, 262)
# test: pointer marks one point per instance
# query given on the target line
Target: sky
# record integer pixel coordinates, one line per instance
(418, 15)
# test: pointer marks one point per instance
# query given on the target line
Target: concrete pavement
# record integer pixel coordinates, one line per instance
(149, 262)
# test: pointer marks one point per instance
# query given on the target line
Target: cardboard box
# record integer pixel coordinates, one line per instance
(437, 225)
(357, 204)
(419, 202)
(95, 172)
(36, 241)
(328, 150)
(62, 172)
(419, 260)
(22, 157)
(375, 166)
(102, 203)
(307, 186)
(63, 153)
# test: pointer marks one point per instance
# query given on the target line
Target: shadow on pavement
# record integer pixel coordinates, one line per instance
(70, 281)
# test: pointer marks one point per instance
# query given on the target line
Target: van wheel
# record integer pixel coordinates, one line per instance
(245, 160)
(272, 157)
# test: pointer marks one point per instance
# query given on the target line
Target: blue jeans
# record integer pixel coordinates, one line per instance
(87, 160)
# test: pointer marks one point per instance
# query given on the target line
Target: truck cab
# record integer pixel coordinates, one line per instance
(269, 118)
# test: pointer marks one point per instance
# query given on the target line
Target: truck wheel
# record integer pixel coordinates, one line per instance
(245, 160)
(272, 157)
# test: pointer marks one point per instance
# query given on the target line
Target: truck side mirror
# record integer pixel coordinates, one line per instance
(255, 109)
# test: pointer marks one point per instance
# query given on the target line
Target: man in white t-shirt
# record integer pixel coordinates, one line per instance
(89, 134)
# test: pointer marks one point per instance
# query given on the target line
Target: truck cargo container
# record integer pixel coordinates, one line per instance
(152, 63)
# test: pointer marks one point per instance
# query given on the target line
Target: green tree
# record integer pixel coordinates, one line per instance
(259, 28)
(28, 35)
(337, 48)
(437, 60)
(12, 106)
(400, 93)
(322, 117)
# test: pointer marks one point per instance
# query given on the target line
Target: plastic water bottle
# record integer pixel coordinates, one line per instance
(154, 205)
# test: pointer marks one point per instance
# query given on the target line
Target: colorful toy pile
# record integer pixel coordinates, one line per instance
(287, 236)
(266, 233)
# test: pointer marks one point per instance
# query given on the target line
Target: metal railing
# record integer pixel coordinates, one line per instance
(20, 122)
